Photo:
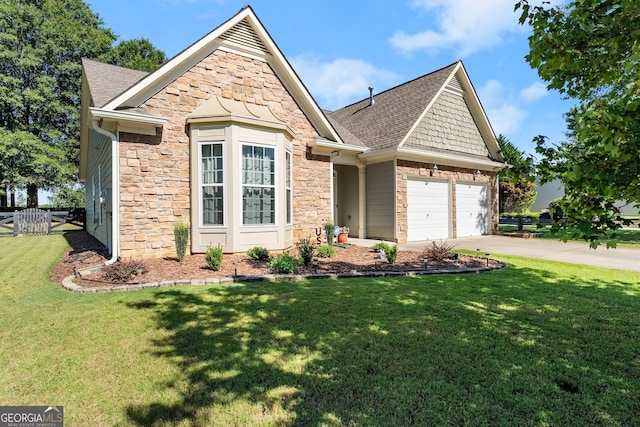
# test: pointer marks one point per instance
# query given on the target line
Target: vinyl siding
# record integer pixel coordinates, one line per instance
(99, 182)
(380, 189)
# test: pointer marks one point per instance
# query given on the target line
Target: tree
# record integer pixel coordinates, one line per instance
(42, 43)
(589, 50)
(138, 54)
(517, 180)
(27, 161)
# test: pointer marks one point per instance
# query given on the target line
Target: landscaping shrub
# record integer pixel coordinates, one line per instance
(214, 257)
(380, 246)
(260, 253)
(306, 248)
(438, 251)
(124, 271)
(284, 264)
(328, 228)
(391, 253)
(326, 251)
(181, 234)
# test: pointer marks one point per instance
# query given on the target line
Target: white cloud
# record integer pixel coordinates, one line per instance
(468, 26)
(505, 116)
(340, 82)
(534, 92)
(506, 119)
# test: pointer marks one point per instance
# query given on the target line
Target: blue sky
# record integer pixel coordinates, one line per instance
(340, 48)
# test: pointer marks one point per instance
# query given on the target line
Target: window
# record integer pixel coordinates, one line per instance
(212, 184)
(258, 185)
(287, 161)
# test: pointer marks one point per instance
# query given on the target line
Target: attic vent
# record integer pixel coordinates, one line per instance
(242, 34)
(455, 83)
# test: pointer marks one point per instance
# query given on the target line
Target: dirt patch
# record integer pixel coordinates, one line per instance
(85, 253)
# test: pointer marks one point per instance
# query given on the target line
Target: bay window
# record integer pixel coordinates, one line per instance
(212, 167)
(258, 185)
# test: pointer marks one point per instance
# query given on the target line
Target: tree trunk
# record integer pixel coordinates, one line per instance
(4, 190)
(520, 223)
(13, 197)
(32, 196)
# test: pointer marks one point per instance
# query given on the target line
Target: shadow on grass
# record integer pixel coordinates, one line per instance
(519, 346)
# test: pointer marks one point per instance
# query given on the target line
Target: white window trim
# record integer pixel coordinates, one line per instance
(201, 185)
(276, 215)
(288, 190)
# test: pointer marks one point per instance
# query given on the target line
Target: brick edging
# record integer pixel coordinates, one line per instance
(69, 284)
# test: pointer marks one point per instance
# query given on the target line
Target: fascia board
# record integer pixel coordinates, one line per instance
(449, 159)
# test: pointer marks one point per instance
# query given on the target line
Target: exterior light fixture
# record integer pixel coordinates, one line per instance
(434, 169)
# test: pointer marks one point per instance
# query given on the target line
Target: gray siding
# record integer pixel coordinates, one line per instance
(380, 189)
(99, 183)
(449, 125)
(347, 209)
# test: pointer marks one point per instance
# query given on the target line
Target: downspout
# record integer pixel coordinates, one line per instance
(115, 194)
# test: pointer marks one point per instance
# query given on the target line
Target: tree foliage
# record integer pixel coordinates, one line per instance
(138, 54)
(590, 50)
(42, 43)
(517, 180)
(27, 161)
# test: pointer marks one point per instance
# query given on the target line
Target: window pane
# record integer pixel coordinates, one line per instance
(258, 205)
(212, 205)
(212, 163)
(212, 179)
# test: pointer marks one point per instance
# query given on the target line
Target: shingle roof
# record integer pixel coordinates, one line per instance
(107, 81)
(395, 112)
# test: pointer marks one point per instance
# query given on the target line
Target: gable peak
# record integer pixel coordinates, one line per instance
(243, 35)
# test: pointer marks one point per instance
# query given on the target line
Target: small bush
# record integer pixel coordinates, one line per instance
(284, 264)
(380, 246)
(438, 251)
(181, 234)
(124, 271)
(326, 251)
(392, 253)
(306, 248)
(259, 253)
(214, 257)
(328, 227)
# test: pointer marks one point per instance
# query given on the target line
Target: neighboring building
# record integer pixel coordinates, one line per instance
(225, 137)
(550, 191)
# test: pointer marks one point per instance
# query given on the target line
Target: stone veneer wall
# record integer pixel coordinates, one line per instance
(407, 169)
(154, 181)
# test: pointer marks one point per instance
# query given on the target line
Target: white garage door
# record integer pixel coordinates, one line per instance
(472, 212)
(427, 210)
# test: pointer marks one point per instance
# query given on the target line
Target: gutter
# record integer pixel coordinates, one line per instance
(115, 194)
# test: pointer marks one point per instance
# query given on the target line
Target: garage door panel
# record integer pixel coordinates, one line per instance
(427, 210)
(472, 210)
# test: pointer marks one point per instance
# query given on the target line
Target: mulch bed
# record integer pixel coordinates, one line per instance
(86, 252)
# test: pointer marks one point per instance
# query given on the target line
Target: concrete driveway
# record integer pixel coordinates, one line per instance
(621, 258)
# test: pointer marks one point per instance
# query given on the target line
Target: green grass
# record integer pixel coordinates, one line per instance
(537, 343)
(629, 237)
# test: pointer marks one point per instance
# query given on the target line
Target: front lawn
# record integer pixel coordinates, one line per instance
(537, 343)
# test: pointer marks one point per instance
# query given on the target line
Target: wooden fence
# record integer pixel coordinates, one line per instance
(33, 221)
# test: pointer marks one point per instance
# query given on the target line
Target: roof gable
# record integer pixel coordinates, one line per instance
(398, 113)
(107, 81)
(395, 111)
(245, 35)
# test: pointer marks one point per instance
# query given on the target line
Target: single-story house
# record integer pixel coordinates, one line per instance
(225, 137)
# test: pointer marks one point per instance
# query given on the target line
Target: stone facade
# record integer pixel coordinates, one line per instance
(154, 171)
(406, 169)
